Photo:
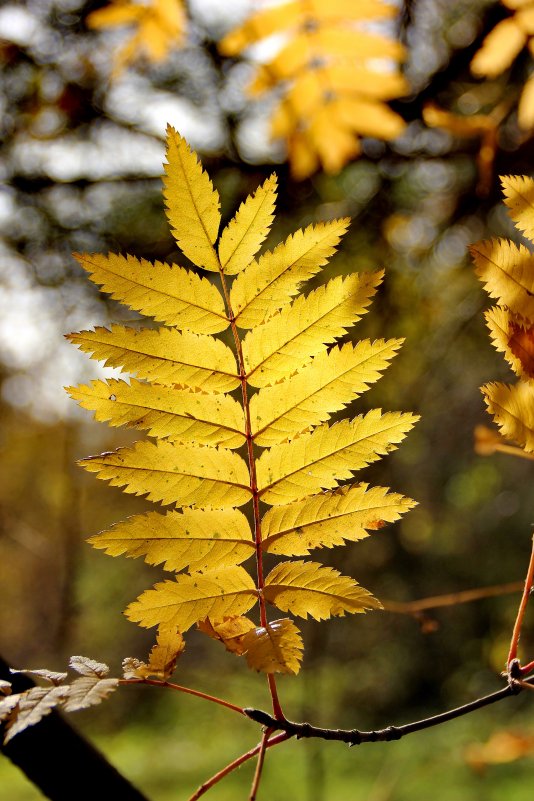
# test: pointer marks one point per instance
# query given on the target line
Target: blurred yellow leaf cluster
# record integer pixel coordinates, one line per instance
(502, 45)
(332, 74)
(159, 26)
(507, 271)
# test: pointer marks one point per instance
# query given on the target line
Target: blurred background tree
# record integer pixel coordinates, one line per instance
(85, 101)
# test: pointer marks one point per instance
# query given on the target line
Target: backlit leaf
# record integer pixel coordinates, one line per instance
(330, 518)
(165, 412)
(289, 340)
(184, 475)
(182, 603)
(514, 338)
(329, 454)
(327, 384)
(192, 203)
(195, 539)
(166, 355)
(231, 632)
(507, 272)
(519, 197)
(308, 588)
(169, 293)
(274, 648)
(269, 283)
(512, 408)
(245, 233)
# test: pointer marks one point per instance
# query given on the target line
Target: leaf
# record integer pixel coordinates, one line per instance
(326, 68)
(308, 588)
(181, 474)
(512, 408)
(159, 26)
(275, 648)
(519, 197)
(50, 675)
(245, 233)
(194, 539)
(166, 356)
(507, 272)
(28, 708)
(289, 340)
(182, 603)
(321, 459)
(179, 396)
(5, 687)
(231, 632)
(88, 691)
(514, 338)
(165, 412)
(330, 518)
(499, 49)
(269, 283)
(88, 667)
(192, 203)
(169, 293)
(163, 656)
(326, 385)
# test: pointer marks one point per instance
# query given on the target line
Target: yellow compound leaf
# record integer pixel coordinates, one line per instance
(182, 603)
(321, 388)
(274, 648)
(159, 26)
(512, 408)
(287, 341)
(192, 203)
(309, 588)
(195, 539)
(169, 293)
(327, 69)
(231, 632)
(327, 455)
(519, 197)
(507, 272)
(331, 518)
(184, 475)
(245, 233)
(269, 283)
(179, 399)
(166, 355)
(499, 49)
(165, 412)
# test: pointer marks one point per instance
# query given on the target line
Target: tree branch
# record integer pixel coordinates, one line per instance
(357, 737)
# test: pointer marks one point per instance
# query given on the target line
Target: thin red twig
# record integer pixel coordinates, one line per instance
(518, 625)
(259, 765)
(279, 738)
(188, 690)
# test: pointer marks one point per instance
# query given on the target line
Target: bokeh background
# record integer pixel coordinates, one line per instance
(81, 163)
